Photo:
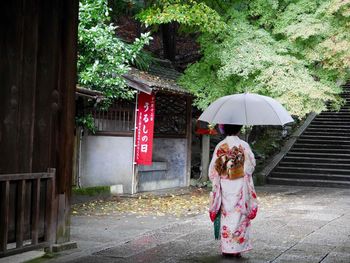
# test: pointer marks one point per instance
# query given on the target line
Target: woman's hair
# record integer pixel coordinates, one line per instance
(232, 129)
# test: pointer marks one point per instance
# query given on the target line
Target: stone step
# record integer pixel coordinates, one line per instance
(319, 146)
(308, 182)
(331, 116)
(335, 114)
(295, 169)
(331, 119)
(327, 133)
(329, 129)
(336, 161)
(319, 154)
(333, 123)
(320, 141)
(325, 126)
(291, 175)
(334, 117)
(322, 137)
(342, 110)
(320, 164)
(302, 149)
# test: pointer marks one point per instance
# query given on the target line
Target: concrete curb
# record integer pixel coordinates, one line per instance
(23, 257)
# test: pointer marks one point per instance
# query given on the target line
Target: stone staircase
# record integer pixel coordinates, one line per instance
(321, 155)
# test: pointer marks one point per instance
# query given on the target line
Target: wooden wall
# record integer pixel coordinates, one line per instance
(38, 41)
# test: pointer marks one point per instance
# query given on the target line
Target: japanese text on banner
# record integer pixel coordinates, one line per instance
(144, 129)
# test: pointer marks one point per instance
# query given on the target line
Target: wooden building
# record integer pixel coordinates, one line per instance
(107, 157)
(37, 84)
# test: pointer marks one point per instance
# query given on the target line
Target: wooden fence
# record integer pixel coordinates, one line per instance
(26, 211)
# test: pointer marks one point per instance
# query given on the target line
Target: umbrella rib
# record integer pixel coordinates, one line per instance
(219, 108)
(274, 111)
(245, 107)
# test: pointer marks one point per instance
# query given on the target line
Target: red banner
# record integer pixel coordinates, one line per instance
(144, 129)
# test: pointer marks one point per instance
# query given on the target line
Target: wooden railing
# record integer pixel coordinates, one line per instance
(26, 211)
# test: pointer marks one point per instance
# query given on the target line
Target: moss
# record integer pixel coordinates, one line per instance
(44, 258)
(91, 191)
(60, 232)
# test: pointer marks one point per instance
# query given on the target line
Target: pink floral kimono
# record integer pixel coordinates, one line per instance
(233, 193)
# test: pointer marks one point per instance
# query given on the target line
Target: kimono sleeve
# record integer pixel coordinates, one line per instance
(213, 174)
(251, 198)
(249, 164)
(215, 194)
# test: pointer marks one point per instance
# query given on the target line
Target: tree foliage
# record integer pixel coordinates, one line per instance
(102, 57)
(297, 51)
(192, 14)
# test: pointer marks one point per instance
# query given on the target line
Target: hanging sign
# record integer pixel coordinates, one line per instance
(144, 129)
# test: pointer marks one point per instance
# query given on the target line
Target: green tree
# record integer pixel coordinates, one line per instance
(102, 57)
(195, 15)
(297, 51)
(191, 15)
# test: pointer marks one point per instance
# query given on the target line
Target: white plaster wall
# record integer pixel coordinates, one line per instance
(106, 160)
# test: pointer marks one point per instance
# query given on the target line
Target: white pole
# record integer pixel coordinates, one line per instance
(205, 157)
(80, 130)
(134, 170)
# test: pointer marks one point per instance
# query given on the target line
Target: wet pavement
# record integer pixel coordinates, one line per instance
(294, 224)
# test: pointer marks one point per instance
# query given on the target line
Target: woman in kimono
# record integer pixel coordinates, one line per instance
(233, 197)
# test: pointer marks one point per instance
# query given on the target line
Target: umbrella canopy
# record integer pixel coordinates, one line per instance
(246, 109)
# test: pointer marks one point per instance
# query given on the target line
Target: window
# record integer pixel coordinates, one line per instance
(118, 119)
(170, 116)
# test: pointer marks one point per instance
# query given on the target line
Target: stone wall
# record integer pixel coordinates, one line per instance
(169, 165)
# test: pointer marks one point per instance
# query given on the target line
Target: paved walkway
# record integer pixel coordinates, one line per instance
(294, 224)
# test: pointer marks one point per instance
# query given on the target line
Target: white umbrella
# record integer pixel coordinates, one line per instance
(246, 109)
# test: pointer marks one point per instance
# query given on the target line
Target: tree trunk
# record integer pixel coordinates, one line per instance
(169, 40)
